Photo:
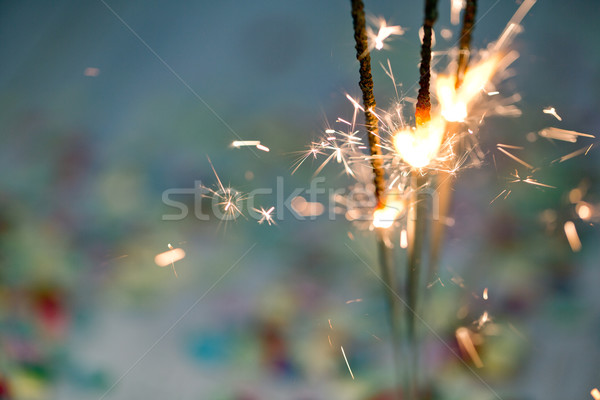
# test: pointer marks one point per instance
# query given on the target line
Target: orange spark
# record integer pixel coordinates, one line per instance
(463, 335)
(572, 236)
(169, 258)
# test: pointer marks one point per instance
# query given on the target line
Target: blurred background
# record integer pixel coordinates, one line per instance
(104, 106)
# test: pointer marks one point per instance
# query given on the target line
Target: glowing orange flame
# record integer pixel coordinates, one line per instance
(455, 102)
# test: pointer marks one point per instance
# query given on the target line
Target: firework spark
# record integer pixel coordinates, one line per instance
(572, 236)
(465, 340)
(347, 363)
(169, 258)
(552, 111)
(376, 39)
(266, 215)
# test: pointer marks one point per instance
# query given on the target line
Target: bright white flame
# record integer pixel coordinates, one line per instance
(456, 7)
(385, 216)
(404, 239)
(420, 146)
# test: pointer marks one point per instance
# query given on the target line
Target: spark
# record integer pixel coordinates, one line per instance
(509, 146)
(455, 9)
(355, 103)
(485, 293)
(595, 393)
(249, 143)
(434, 282)
(493, 93)
(515, 158)
(384, 32)
(464, 337)
(266, 215)
(376, 337)
(584, 211)
(244, 143)
(485, 318)
(562, 134)
(173, 261)
(354, 301)
(529, 180)
(532, 181)
(230, 198)
(572, 236)
(552, 111)
(500, 194)
(347, 364)
(583, 150)
(403, 239)
(513, 27)
(91, 72)
(169, 258)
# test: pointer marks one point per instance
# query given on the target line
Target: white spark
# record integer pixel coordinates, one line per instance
(346, 359)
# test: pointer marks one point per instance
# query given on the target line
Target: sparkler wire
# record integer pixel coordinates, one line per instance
(423, 99)
(419, 216)
(446, 180)
(386, 257)
(366, 86)
(464, 48)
